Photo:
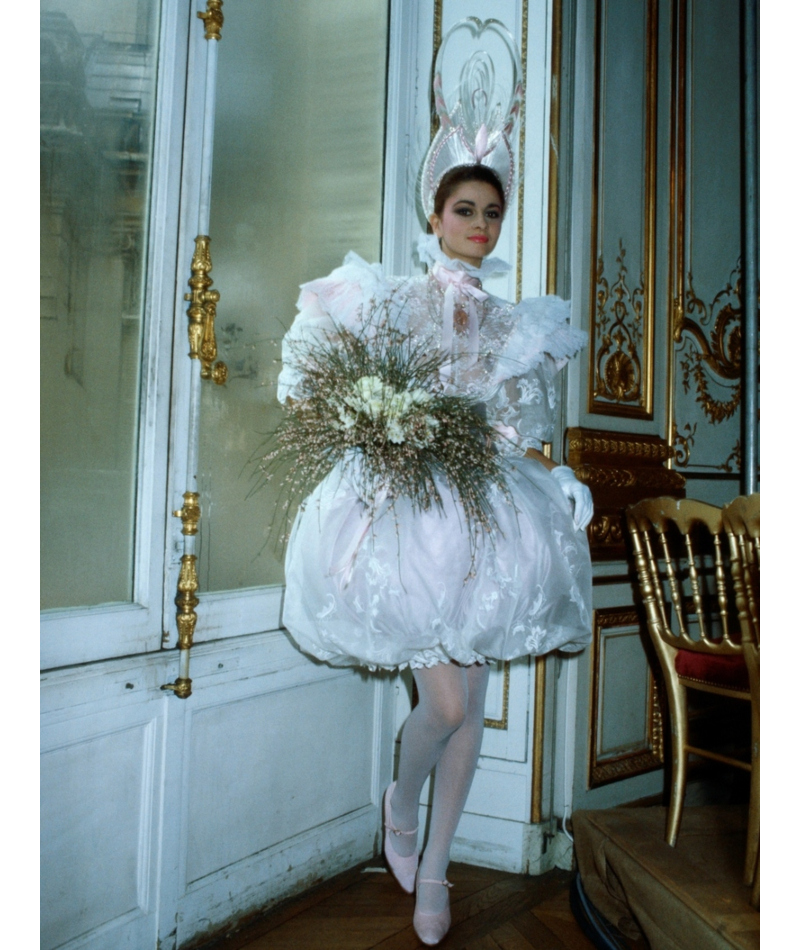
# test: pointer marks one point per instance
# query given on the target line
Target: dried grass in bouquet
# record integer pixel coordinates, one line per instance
(373, 404)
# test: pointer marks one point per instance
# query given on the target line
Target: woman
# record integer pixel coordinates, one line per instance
(390, 592)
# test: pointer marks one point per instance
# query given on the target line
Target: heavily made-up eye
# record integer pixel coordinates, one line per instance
(467, 210)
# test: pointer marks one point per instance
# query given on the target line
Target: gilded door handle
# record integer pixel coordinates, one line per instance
(202, 314)
(186, 598)
(213, 19)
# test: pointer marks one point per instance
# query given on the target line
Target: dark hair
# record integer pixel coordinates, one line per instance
(459, 176)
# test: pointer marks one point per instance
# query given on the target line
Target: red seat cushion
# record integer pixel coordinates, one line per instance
(718, 670)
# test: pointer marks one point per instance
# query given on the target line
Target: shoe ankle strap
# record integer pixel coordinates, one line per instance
(397, 831)
(427, 880)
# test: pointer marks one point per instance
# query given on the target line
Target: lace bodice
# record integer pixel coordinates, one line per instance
(502, 355)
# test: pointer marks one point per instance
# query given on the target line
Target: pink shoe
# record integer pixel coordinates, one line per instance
(432, 928)
(403, 868)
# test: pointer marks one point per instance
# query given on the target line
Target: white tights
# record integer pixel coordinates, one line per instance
(444, 730)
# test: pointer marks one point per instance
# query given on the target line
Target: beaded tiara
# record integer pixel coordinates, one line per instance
(478, 113)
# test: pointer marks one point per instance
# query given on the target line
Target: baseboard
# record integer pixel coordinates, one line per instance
(511, 846)
(282, 872)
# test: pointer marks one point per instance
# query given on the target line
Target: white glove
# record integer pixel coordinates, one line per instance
(576, 492)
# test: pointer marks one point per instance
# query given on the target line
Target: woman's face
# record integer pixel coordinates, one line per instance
(470, 222)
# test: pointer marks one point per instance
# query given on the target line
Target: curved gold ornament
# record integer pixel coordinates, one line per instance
(619, 319)
(213, 19)
(683, 443)
(203, 312)
(219, 374)
(606, 530)
(733, 463)
(716, 333)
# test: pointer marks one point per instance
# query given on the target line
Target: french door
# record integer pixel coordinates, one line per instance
(195, 170)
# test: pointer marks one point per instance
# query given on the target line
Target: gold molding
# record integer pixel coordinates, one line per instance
(537, 778)
(621, 468)
(625, 399)
(649, 448)
(677, 205)
(637, 761)
(656, 481)
(501, 723)
(213, 19)
(555, 142)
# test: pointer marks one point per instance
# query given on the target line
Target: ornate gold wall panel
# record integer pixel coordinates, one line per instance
(623, 209)
(621, 746)
(620, 469)
(703, 416)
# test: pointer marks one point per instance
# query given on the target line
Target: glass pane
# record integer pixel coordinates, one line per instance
(298, 162)
(98, 62)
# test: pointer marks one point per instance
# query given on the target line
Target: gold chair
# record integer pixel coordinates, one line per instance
(741, 520)
(686, 584)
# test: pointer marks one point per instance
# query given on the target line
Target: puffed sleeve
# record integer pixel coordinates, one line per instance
(541, 341)
(337, 301)
(542, 328)
(523, 409)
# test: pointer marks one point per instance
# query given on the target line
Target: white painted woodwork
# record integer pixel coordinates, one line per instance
(102, 772)
(81, 635)
(164, 819)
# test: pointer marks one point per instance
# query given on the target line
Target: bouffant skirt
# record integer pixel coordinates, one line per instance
(406, 588)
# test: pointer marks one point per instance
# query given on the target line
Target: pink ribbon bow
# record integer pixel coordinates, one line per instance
(469, 291)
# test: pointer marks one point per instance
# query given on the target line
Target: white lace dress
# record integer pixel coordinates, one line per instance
(403, 600)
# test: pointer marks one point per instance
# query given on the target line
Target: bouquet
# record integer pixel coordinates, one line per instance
(372, 403)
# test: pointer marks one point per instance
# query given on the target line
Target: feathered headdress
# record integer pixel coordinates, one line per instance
(477, 115)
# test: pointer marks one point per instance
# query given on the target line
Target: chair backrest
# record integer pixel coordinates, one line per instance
(684, 574)
(741, 520)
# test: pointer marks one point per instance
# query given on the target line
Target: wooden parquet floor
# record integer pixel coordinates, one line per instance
(364, 908)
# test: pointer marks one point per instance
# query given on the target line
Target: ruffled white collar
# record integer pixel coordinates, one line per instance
(429, 253)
